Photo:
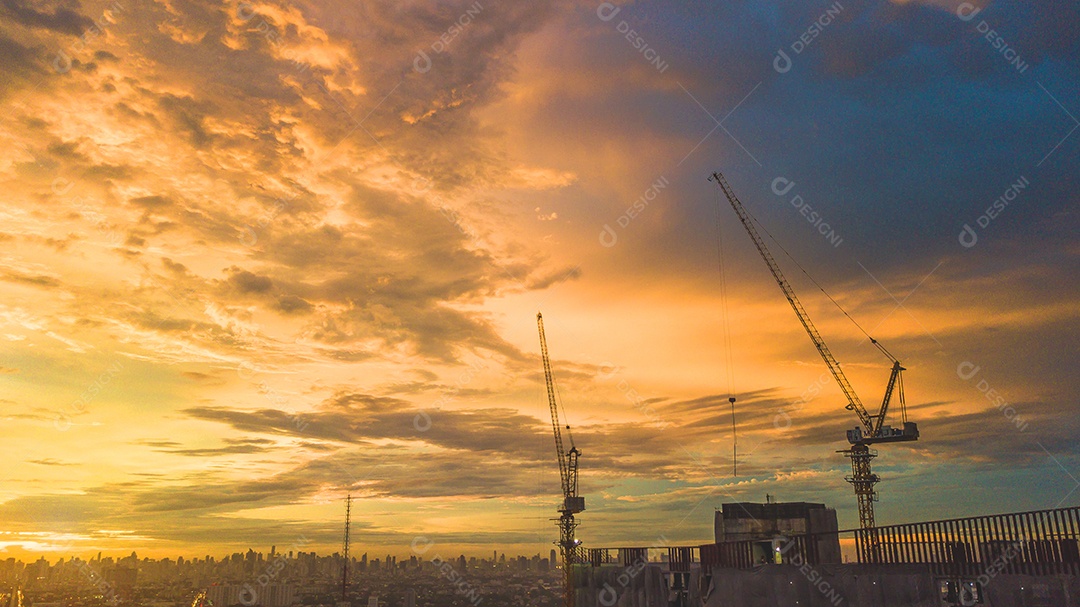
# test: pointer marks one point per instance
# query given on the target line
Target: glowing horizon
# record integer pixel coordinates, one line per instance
(260, 255)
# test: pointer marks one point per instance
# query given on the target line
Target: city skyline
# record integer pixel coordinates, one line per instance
(410, 555)
(277, 580)
(261, 255)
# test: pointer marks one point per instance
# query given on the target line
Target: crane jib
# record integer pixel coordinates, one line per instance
(568, 460)
(873, 425)
(862, 478)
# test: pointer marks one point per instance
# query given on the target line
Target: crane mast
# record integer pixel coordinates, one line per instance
(873, 429)
(568, 472)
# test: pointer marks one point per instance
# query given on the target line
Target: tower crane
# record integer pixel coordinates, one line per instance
(873, 429)
(568, 471)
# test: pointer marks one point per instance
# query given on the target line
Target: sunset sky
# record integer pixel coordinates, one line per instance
(261, 254)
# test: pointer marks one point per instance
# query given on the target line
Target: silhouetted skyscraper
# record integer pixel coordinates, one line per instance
(122, 581)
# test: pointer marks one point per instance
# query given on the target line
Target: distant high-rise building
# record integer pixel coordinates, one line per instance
(271, 595)
(122, 581)
(551, 559)
(410, 598)
(373, 601)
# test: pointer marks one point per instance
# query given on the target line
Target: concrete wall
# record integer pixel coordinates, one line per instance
(821, 586)
(828, 546)
(633, 586)
(741, 526)
(739, 529)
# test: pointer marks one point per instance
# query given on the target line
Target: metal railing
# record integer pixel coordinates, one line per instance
(1041, 542)
(679, 558)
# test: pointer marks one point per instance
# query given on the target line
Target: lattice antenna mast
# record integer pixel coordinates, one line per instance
(345, 550)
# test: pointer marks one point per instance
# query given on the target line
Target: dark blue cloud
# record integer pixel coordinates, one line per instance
(899, 123)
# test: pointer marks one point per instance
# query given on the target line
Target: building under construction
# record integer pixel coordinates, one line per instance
(769, 525)
(1023, 559)
(792, 554)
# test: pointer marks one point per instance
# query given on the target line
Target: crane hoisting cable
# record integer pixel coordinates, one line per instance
(727, 342)
(873, 429)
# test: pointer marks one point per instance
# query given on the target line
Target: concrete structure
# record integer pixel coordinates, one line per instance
(250, 595)
(1019, 559)
(770, 525)
(821, 586)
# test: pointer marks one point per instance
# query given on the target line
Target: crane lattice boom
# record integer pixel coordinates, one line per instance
(567, 461)
(834, 367)
(873, 429)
